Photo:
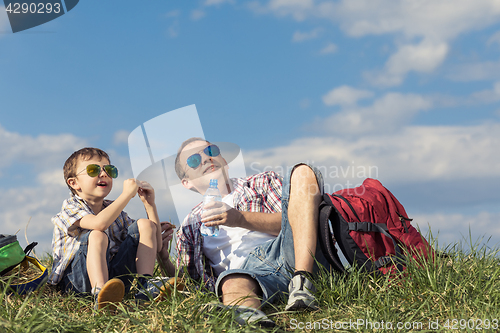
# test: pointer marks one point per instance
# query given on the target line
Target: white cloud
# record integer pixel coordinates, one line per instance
(217, 2)
(300, 36)
(439, 19)
(345, 95)
(455, 228)
(494, 39)
(488, 96)
(424, 57)
(121, 137)
(478, 71)
(42, 150)
(386, 115)
(412, 154)
(330, 48)
(434, 23)
(197, 14)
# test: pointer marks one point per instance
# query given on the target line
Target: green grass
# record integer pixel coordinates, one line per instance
(464, 286)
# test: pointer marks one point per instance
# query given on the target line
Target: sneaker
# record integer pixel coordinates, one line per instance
(243, 315)
(158, 289)
(110, 294)
(301, 295)
(246, 315)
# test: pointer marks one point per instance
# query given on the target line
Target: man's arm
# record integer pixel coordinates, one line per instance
(258, 210)
(269, 223)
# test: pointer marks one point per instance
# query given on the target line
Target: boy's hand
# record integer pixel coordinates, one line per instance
(130, 187)
(146, 192)
(167, 232)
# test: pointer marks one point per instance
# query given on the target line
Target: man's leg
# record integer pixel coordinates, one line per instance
(242, 293)
(305, 197)
(240, 289)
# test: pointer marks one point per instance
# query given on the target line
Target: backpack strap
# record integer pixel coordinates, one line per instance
(326, 237)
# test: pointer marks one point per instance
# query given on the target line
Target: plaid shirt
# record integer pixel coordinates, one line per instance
(67, 237)
(258, 193)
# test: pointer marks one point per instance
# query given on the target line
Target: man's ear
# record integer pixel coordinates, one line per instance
(73, 183)
(186, 183)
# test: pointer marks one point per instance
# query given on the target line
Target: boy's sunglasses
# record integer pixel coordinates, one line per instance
(94, 170)
(194, 160)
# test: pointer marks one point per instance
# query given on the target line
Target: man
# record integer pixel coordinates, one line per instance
(267, 239)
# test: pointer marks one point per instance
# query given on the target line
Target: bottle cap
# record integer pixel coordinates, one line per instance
(213, 182)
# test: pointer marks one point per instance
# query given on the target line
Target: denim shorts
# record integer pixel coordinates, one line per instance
(122, 265)
(272, 263)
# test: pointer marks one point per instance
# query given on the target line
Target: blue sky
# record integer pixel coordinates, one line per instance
(408, 88)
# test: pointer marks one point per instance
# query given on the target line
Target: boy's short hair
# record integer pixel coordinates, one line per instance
(85, 154)
(179, 170)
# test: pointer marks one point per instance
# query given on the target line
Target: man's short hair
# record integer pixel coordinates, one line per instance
(85, 154)
(179, 170)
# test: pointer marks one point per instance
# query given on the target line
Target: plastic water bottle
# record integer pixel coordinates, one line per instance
(212, 194)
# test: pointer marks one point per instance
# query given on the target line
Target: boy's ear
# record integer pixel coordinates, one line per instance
(73, 183)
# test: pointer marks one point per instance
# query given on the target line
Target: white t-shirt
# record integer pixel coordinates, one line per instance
(233, 245)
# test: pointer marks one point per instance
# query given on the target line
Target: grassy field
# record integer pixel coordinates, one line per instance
(457, 293)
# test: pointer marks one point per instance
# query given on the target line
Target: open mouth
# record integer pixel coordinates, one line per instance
(211, 168)
(102, 184)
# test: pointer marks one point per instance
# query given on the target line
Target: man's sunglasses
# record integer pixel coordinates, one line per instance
(94, 170)
(194, 160)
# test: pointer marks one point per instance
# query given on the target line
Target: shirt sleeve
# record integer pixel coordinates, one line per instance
(190, 255)
(262, 193)
(71, 213)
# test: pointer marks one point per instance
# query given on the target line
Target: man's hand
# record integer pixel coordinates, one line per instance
(219, 213)
(146, 192)
(130, 187)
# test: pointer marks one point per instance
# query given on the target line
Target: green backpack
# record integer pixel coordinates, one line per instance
(11, 255)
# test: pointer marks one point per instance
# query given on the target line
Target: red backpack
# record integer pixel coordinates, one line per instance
(371, 229)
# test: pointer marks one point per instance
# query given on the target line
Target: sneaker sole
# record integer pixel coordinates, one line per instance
(300, 305)
(111, 293)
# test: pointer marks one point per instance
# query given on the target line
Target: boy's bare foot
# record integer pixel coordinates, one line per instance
(110, 294)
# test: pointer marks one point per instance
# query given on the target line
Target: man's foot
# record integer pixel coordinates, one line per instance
(301, 295)
(244, 315)
(110, 294)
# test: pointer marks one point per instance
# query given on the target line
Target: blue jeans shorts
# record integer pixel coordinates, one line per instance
(272, 263)
(122, 265)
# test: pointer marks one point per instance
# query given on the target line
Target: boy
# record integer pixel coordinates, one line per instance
(94, 240)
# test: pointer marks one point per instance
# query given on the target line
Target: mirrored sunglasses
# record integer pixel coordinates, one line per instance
(194, 160)
(94, 170)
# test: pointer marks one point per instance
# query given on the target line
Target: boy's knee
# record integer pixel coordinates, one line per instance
(145, 225)
(98, 237)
